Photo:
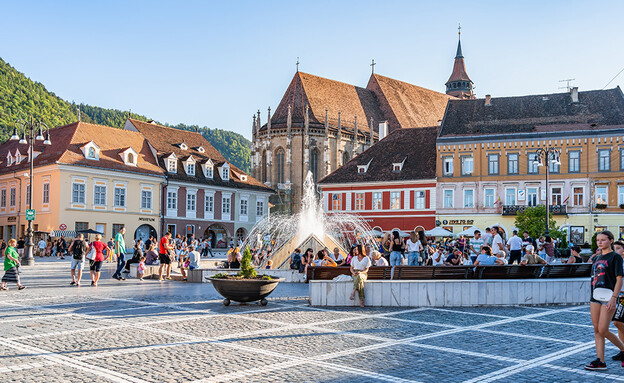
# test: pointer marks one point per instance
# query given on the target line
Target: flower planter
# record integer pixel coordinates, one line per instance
(245, 290)
(622, 206)
(601, 206)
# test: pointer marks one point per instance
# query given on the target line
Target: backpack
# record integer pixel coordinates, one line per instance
(296, 263)
(79, 249)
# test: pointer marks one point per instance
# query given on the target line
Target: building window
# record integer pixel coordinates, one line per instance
(419, 202)
(225, 205)
(532, 167)
(172, 200)
(46, 193)
(81, 226)
(377, 201)
(492, 164)
(120, 197)
(91, 153)
(466, 165)
(510, 196)
(448, 198)
(27, 195)
(395, 200)
(621, 159)
(190, 169)
(574, 161)
(131, 159)
(191, 200)
(555, 196)
(337, 201)
(468, 198)
(279, 157)
(532, 196)
(3, 198)
(78, 193)
(259, 208)
(243, 206)
(172, 165)
(209, 171)
(554, 165)
(116, 228)
(225, 174)
(209, 203)
(601, 195)
(99, 195)
(620, 194)
(12, 197)
(604, 160)
(359, 201)
(578, 196)
(146, 199)
(488, 199)
(512, 163)
(314, 164)
(448, 166)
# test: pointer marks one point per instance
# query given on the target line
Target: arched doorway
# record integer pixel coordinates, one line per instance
(144, 232)
(241, 234)
(218, 236)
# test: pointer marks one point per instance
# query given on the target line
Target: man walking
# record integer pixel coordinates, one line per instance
(475, 244)
(78, 250)
(515, 248)
(61, 246)
(120, 252)
(498, 245)
(42, 246)
(164, 247)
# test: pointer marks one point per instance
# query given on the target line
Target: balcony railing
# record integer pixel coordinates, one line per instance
(515, 209)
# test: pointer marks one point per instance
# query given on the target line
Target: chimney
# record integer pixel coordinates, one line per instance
(574, 94)
(383, 130)
(488, 100)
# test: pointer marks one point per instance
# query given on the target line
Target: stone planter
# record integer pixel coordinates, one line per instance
(244, 290)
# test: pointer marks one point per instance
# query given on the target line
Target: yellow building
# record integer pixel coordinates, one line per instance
(485, 161)
(90, 177)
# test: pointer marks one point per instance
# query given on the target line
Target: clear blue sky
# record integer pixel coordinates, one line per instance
(216, 63)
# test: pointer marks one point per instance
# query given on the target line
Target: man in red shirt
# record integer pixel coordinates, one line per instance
(163, 255)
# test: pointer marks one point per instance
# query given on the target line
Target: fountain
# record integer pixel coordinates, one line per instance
(310, 228)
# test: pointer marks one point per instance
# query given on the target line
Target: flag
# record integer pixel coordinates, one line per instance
(498, 202)
(565, 201)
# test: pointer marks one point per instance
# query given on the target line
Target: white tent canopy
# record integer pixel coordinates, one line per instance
(470, 231)
(438, 232)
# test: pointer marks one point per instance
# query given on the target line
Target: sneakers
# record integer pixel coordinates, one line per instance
(92, 283)
(596, 365)
(22, 287)
(141, 279)
(618, 356)
(3, 288)
(161, 280)
(72, 283)
(169, 278)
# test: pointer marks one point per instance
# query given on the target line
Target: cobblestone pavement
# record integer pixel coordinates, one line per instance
(151, 331)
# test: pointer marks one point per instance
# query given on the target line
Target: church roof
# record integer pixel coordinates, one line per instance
(534, 113)
(335, 96)
(459, 68)
(406, 105)
(415, 147)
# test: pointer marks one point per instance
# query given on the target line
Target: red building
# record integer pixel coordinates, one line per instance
(391, 184)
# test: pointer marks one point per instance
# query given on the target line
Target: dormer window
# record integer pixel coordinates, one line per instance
(189, 166)
(398, 166)
(18, 157)
(183, 146)
(201, 149)
(243, 177)
(364, 168)
(225, 172)
(208, 170)
(129, 157)
(172, 163)
(9, 159)
(91, 151)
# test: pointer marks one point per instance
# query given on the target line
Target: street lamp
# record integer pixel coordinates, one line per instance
(543, 157)
(31, 132)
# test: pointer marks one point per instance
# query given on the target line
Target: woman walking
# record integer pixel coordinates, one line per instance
(397, 249)
(359, 270)
(95, 265)
(11, 262)
(414, 249)
(606, 278)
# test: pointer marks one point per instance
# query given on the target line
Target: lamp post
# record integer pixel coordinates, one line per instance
(31, 130)
(543, 157)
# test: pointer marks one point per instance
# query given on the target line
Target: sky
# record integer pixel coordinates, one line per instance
(215, 63)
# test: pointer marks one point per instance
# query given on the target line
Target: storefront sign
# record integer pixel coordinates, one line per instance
(12, 219)
(147, 219)
(460, 222)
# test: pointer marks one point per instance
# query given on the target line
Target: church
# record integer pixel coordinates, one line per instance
(321, 124)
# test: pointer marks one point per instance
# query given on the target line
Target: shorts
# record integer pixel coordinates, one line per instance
(95, 266)
(77, 264)
(164, 259)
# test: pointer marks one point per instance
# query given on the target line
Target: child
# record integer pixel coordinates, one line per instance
(141, 268)
(269, 265)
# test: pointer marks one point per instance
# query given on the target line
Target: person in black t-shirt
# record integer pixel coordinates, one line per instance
(607, 272)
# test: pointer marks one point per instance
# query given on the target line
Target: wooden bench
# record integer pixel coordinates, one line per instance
(508, 272)
(573, 270)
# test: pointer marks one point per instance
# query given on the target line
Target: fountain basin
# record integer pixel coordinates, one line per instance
(245, 290)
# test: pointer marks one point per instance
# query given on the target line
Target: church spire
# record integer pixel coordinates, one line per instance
(459, 84)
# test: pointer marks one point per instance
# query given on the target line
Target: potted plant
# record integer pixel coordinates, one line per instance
(601, 206)
(246, 285)
(622, 206)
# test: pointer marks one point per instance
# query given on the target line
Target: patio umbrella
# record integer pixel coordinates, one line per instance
(438, 232)
(469, 231)
(88, 232)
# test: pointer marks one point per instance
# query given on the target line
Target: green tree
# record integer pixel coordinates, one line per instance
(247, 270)
(533, 220)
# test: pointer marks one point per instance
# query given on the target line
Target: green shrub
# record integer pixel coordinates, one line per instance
(247, 270)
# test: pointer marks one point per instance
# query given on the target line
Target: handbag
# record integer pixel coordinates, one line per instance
(602, 294)
(91, 254)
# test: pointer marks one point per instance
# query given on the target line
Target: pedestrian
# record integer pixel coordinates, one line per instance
(359, 270)
(11, 264)
(474, 245)
(618, 318)
(109, 252)
(78, 250)
(20, 246)
(527, 240)
(136, 257)
(385, 246)
(397, 249)
(515, 248)
(61, 246)
(164, 249)
(414, 248)
(41, 246)
(607, 275)
(141, 268)
(549, 249)
(95, 265)
(487, 237)
(48, 249)
(120, 251)
(498, 245)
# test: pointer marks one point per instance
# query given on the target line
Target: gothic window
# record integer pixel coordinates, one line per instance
(345, 157)
(314, 164)
(263, 167)
(279, 156)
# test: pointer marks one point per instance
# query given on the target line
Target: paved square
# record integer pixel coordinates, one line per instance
(176, 332)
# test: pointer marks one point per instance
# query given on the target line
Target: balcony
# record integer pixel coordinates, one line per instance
(515, 209)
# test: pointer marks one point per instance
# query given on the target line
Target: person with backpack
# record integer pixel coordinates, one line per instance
(78, 250)
(295, 260)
